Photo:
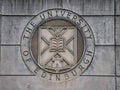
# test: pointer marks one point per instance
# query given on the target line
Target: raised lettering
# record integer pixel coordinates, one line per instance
(50, 77)
(66, 76)
(50, 14)
(37, 69)
(33, 24)
(79, 22)
(57, 77)
(87, 31)
(28, 60)
(89, 53)
(25, 37)
(84, 26)
(42, 16)
(81, 67)
(74, 17)
(43, 75)
(86, 61)
(25, 53)
(74, 72)
(90, 36)
(62, 13)
(68, 15)
(56, 13)
(29, 30)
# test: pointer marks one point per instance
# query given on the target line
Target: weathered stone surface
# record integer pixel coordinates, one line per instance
(102, 26)
(118, 83)
(91, 7)
(12, 28)
(103, 62)
(0, 7)
(11, 62)
(103, 29)
(0, 29)
(118, 60)
(83, 7)
(117, 30)
(117, 7)
(98, 14)
(32, 83)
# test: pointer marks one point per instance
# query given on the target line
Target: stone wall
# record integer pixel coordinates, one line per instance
(102, 15)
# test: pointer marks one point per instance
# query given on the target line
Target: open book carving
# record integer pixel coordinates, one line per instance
(57, 44)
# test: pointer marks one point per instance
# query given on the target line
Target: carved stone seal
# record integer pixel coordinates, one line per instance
(57, 45)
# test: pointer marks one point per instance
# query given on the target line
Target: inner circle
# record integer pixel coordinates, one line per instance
(57, 46)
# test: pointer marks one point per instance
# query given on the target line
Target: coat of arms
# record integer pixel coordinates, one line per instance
(57, 48)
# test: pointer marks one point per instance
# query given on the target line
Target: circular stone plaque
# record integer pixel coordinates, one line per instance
(57, 45)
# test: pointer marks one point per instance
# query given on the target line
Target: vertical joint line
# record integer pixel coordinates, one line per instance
(115, 41)
(0, 35)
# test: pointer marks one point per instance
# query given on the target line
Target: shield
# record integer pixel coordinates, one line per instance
(57, 47)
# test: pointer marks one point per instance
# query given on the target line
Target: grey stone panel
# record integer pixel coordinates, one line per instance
(12, 28)
(103, 29)
(91, 7)
(103, 62)
(117, 7)
(33, 83)
(0, 7)
(83, 7)
(11, 62)
(118, 60)
(118, 83)
(117, 30)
